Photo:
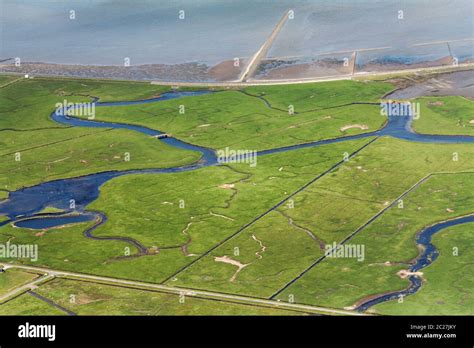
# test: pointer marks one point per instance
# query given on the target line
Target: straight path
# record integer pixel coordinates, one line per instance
(11, 82)
(26, 287)
(182, 291)
(319, 176)
(292, 81)
(252, 66)
(51, 303)
(349, 237)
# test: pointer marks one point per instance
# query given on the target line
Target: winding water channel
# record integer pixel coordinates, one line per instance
(428, 255)
(24, 205)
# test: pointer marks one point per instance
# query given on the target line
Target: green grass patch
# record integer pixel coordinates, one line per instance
(51, 151)
(217, 202)
(312, 96)
(445, 115)
(49, 210)
(391, 238)
(28, 305)
(28, 103)
(85, 154)
(5, 80)
(85, 298)
(13, 278)
(330, 209)
(447, 289)
(241, 121)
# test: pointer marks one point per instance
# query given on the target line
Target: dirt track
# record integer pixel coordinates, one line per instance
(49, 273)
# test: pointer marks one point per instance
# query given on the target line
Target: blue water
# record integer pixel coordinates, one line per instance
(84, 190)
(429, 255)
(323, 26)
(26, 202)
(208, 155)
(53, 221)
(149, 32)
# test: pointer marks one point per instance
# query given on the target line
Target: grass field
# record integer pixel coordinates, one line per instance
(330, 209)
(448, 281)
(235, 228)
(341, 282)
(67, 248)
(147, 208)
(445, 115)
(85, 298)
(85, 154)
(242, 120)
(28, 103)
(34, 149)
(14, 278)
(6, 80)
(28, 305)
(307, 97)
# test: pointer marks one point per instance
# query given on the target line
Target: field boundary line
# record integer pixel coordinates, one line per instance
(25, 287)
(50, 302)
(161, 291)
(280, 203)
(50, 273)
(11, 82)
(413, 187)
(350, 236)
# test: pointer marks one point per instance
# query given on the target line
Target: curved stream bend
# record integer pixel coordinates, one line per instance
(26, 202)
(428, 255)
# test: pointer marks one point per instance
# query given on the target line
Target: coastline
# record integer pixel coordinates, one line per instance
(225, 73)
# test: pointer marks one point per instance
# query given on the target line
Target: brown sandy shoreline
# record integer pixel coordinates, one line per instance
(222, 73)
(184, 72)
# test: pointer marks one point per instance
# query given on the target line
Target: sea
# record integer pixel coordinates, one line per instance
(107, 32)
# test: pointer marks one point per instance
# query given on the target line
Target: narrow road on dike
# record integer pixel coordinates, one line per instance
(179, 291)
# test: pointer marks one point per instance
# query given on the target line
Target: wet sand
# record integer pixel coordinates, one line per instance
(458, 83)
(186, 72)
(378, 67)
(288, 69)
(270, 69)
(226, 71)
